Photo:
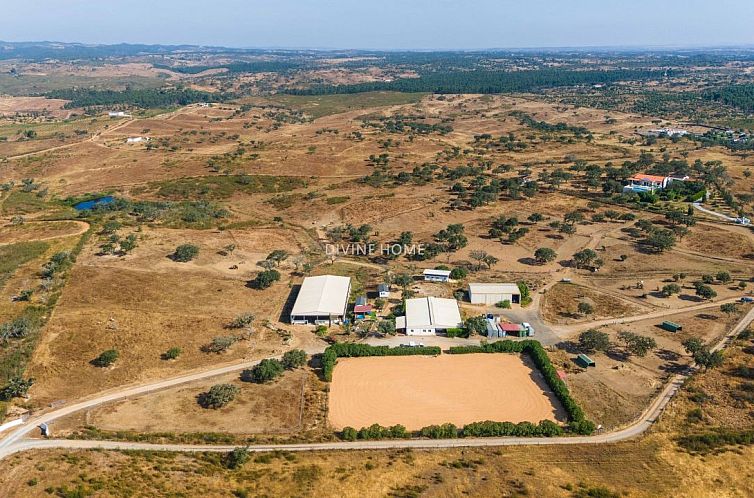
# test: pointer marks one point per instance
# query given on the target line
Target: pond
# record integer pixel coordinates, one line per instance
(86, 205)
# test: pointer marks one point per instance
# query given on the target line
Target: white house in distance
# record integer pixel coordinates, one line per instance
(322, 300)
(646, 183)
(428, 315)
(136, 140)
(118, 114)
(494, 293)
(431, 275)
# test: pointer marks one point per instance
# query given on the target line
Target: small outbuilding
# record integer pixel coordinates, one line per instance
(671, 326)
(584, 361)
(431, 275)
(383, 290)
(362, 311)
(511, 329)
(493, 293)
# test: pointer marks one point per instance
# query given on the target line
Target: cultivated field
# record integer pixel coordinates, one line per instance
(417, 391)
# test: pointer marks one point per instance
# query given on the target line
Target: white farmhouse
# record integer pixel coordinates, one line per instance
(494, 293)
(428, 315)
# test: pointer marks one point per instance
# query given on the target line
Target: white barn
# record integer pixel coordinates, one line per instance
(322, 300)
(428, 315)
(494, 293)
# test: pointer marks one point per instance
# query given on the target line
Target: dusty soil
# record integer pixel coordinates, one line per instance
(417, 391)
(258, 408)
(32, 105)
(560, 304)
(43, 230)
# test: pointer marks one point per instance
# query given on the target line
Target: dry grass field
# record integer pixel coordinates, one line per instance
(418, 391)
(282, 407)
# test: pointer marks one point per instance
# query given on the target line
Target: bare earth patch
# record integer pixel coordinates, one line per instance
(418, 391)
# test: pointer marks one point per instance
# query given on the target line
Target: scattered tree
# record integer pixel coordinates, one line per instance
(218, 396)
(265, 279)
(264, 371)
(585, 308)
(293, 359)
(635, 344)
(545, 255)
(594, 340)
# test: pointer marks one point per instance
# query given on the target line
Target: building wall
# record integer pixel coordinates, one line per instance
(490, 299)
(425, 331)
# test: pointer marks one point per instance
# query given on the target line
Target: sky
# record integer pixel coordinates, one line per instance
(384, 24)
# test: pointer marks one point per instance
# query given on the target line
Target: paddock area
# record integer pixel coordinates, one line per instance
(417, 391)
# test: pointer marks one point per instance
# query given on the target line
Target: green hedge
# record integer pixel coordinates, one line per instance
(374, 431)
(578, 421)
(444, 431)
(349, 350)
(698, 196)
(488, 428)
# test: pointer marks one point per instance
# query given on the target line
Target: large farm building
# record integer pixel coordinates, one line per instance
(321, 300)
(494, 293)
(428, 315)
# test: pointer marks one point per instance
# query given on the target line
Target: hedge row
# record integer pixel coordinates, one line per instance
(349, 350)
(375, 431)
(578, 421)
(488, 428)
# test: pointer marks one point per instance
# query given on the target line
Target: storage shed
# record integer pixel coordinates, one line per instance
(584, 361)
(671, 326)
(493, 293)
(436, 275)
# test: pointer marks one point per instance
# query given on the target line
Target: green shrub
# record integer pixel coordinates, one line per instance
(505, 304)
(220, 344)
(185, 253)
(456, 332)
(237, 458)
(17, 387)
(265, 279)
(264, 371)
(218, 396)
(106, 358)
(294, 358)
(348, 434)
(172, 353)
(458, 273)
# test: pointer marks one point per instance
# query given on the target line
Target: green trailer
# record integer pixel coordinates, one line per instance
(671, 326)
(584, 361)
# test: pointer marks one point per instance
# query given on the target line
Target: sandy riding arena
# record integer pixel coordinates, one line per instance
(417, 391)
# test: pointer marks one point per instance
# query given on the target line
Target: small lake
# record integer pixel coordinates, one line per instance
(86, 205)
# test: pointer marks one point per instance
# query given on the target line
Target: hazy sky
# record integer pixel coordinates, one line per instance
(390, 24)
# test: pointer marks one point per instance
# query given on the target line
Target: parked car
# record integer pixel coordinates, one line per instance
(747, 299)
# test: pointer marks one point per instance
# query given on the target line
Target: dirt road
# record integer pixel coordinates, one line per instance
(14, 442)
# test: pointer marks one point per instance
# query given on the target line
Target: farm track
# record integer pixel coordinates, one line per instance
(92, 139)
(83, 227)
